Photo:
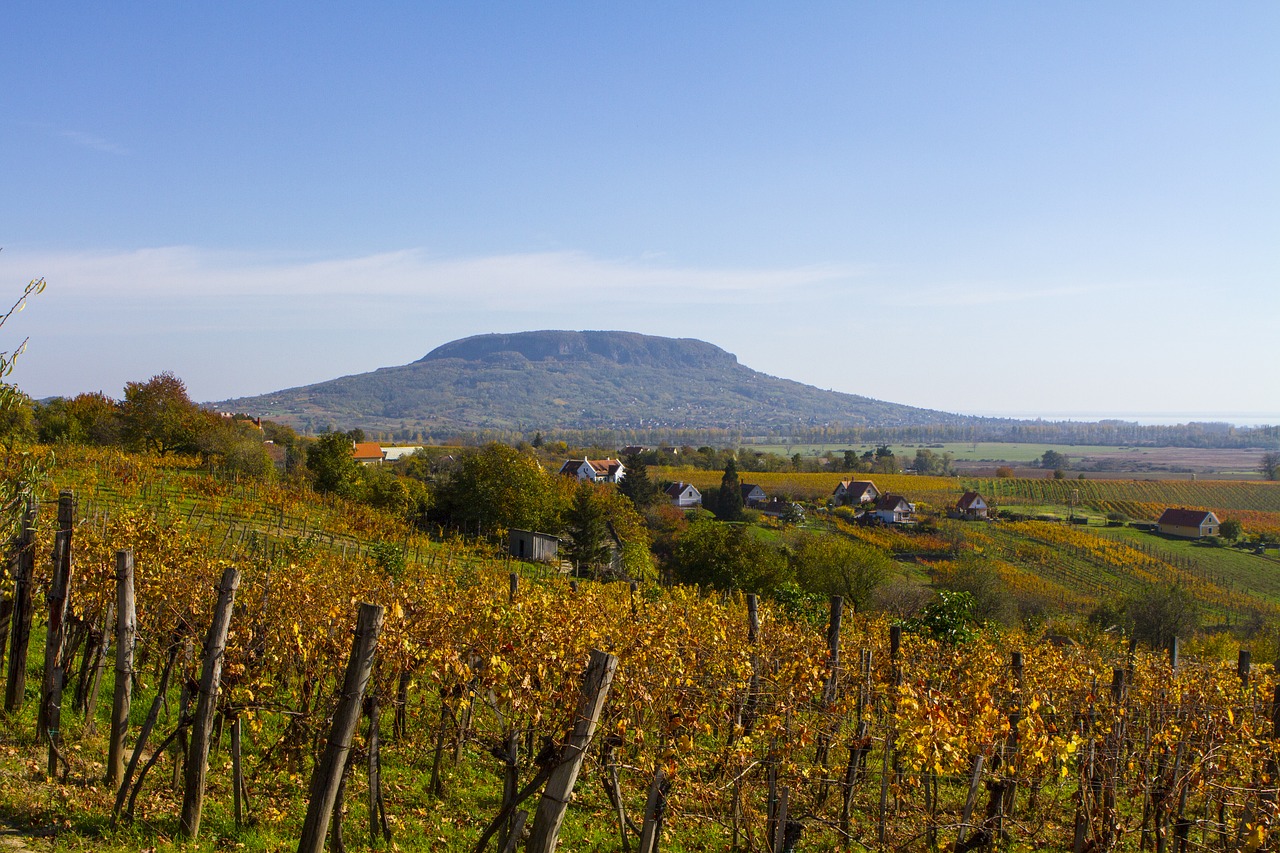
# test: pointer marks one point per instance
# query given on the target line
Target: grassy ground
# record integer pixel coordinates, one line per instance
(1242, 570)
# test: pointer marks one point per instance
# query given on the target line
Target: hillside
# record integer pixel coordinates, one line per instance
(576, 380)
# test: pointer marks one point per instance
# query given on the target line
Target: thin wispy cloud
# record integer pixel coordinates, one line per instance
(89, 140)
(508, 280)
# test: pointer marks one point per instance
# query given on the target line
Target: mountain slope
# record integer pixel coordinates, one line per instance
(575, 380)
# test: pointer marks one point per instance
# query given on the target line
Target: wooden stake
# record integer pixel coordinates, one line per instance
(24, 569)
(206, 705)
(126, 636)
(596, 681)
(329, 770)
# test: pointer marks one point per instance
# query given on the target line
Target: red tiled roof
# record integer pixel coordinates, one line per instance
(966, 501)
(367, 450)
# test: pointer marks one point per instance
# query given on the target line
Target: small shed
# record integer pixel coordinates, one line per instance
(533, 546)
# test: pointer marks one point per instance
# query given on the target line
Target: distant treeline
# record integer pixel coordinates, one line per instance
(1106, 433)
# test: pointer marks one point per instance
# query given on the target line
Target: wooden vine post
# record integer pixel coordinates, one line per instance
(330, 769)
(596, 681)
(215, 645)
(49, 719)
(126, 634)
(20, 619)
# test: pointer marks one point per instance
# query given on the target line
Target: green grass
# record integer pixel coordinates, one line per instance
(1243, 571)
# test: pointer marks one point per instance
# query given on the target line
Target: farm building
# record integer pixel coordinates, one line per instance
(533, 546)
(395, 454)
(684, 495)
(1188, 523)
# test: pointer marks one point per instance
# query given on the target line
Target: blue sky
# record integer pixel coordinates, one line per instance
(978, 207)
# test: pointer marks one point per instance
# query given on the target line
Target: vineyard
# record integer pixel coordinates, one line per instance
(697, 721)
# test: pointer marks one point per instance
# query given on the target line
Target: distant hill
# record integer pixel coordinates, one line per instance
(576, 380)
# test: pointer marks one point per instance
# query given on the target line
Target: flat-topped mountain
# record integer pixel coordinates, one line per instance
(575, 380)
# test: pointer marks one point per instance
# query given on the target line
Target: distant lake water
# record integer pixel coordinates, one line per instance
(1240, 419)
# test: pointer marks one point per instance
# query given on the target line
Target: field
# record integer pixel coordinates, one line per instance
(712, 720)
(1165, 462)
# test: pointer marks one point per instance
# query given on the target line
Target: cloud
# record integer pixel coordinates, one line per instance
(509, 281)
(97, 143)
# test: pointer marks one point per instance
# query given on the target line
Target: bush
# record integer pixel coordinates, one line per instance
(950, 618)
(1157, 614)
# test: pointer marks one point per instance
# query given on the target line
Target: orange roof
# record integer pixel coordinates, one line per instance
(367, 450)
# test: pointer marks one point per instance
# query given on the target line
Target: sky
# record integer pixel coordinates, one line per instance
(979, 207)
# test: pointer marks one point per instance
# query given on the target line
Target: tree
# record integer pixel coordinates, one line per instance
(1052, 459)
(637, 485)
(1158, 613)
(333, 467)
(728, 557)
(498, 487)
(158, 416)
(1230, 529)
(403, 496)
(928, 462)
(589, 529)
(729, 499)
(834, 565)
(884, 461)
(1269, 465)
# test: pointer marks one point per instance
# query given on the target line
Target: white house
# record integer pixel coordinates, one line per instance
(971, 505)
(684, 495)
(850, 492)
(752, 495)
(895, 509)
(595, 470)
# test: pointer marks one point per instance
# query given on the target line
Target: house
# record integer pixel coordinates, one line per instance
(1188, 523)
(533, 546)
(368, 453)
(684, 495)
(971, 505)
(894, 509)
(852, 492)
(753, 496)
(781, 507)
(595, 470)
